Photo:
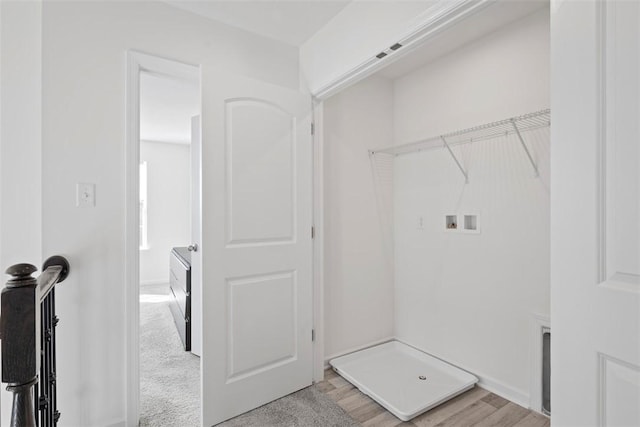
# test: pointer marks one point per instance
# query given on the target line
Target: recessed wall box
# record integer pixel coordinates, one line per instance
(470, 222)
(451, 222)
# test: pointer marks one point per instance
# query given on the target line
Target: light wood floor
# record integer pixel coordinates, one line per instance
(476, 407)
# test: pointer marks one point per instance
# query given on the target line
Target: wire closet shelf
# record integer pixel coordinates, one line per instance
(524, 123)
(514, 125)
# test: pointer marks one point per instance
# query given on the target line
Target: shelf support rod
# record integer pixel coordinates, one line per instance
(526, 150)
(455, 159)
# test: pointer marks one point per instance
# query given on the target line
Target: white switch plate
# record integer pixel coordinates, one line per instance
(85, 195)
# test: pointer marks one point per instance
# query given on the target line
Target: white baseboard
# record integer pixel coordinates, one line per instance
(154, 282)
(496, 387)
(354, 349)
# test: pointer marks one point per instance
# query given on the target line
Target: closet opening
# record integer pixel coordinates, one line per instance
(436, 218)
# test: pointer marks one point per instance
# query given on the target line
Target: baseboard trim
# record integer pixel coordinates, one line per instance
(503, 390)
(154, 282)
(354, 349)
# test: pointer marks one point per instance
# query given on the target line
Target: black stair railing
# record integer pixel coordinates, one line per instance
(27, 330)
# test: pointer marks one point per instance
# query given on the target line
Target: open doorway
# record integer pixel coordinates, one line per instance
(167, 99)
(265, 255)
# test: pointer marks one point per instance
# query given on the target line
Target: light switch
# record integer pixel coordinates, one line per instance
(85, 195)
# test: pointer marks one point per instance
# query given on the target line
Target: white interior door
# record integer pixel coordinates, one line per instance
(595, 213)
(196, 237)
(256, 244)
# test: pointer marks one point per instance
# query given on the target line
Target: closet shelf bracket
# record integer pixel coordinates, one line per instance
(455, 159)
(526, 150)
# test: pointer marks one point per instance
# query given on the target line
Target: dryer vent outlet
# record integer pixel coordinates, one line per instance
(546, 371)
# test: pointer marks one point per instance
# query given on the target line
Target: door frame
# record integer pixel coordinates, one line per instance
(317, 265)
(137, 62)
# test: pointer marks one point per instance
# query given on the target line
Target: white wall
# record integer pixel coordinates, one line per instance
(358, 259)
(503, 74)
(20, 132)
(168, 206)
(20, 141)
(463, 297)
(84, 45)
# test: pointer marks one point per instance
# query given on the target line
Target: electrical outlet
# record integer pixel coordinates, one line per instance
(420, 223)
(85, 195)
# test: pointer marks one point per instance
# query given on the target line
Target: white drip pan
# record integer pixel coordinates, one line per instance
(405, 381)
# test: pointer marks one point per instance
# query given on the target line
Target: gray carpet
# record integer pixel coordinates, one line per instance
(169, 376)
(306, 408)
(170, 381)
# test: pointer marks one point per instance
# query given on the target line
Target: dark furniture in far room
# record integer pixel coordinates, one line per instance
(180, 285)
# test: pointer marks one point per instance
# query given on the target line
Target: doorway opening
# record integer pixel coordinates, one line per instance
(169, 351)
(163, 215)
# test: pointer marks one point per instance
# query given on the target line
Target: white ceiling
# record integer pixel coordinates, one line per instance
(291, 22)
(166, 107)
(484, 22)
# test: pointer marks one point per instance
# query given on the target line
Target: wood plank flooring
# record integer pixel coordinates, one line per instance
(477, 407)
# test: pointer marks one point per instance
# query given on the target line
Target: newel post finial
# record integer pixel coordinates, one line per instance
(21, 275)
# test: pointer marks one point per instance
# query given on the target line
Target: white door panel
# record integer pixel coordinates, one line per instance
(262, 323)
(620, 388)
(260, 143)
(621, 145)
(595, 213)
(256, 244)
